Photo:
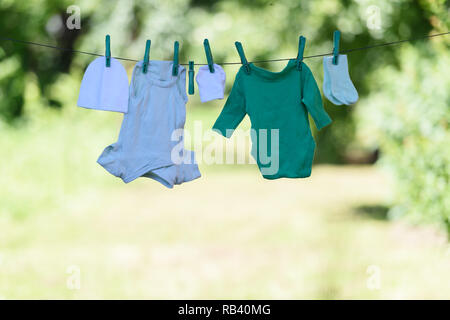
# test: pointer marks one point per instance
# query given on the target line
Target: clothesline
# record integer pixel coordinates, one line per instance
(230, 63)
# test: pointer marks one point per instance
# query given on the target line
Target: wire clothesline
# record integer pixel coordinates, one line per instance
(229, 63)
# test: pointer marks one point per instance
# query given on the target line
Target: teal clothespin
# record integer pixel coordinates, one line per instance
(191, 78)
(208, 55)
(108, 51)
(301, 49)
(175, 58)
(336, 39)
(146, 56)
(242, 56)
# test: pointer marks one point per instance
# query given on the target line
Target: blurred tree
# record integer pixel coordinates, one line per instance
(404, 93)
(39, 21)
(408, 117)
(267, 28)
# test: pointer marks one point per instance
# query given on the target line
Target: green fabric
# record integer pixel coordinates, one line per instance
(277, 100)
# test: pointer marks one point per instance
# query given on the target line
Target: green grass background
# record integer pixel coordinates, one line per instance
(229, 234)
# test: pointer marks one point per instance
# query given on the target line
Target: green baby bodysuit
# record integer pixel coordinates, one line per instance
(278, 104)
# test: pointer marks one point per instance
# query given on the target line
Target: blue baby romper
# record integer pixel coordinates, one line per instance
(151, 142)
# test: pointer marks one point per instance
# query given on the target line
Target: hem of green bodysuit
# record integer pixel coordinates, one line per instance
(302, 174)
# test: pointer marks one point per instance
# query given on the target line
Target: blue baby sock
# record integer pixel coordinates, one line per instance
(327, 85)
(342, 88)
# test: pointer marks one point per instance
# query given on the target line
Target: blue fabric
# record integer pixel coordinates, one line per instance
(151, 140)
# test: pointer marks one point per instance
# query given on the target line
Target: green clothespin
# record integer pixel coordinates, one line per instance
(301, 49)
(208, 55)
(146, 56)
(242, 56)
(175, 58)
(191, 78)
(108, 51)
(336, 39)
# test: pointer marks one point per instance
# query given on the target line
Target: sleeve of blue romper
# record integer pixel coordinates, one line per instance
(234, 110)
(312, 99)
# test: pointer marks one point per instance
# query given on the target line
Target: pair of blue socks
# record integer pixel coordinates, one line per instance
(337, 85)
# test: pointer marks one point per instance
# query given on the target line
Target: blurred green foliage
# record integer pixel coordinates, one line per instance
(34, 78)
(267, 28)
(407, 116)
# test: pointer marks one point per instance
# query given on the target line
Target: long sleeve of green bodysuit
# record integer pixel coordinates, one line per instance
(234, 110)
(313, 101)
